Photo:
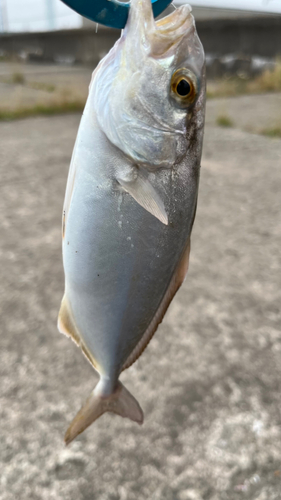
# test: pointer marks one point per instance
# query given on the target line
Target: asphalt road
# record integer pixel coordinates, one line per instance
(209, 382)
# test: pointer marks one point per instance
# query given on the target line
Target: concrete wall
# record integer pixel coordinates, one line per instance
(258, 36)
(66, 46)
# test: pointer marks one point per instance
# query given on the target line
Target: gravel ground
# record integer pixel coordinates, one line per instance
(210, 380)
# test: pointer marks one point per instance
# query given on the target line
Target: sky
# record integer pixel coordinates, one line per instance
(42, 15)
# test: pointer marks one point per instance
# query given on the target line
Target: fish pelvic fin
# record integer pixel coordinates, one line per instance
(121, 402)
(145, 195)
(172, 289)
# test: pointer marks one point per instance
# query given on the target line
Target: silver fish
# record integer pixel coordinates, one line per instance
(131, 199)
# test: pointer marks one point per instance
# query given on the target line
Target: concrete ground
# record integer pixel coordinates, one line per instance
(55, 84)
(210, 380)
(252, 113)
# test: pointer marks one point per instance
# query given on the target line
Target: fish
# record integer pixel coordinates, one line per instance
(131, 199)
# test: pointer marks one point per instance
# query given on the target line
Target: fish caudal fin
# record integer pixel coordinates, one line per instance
(120, 402)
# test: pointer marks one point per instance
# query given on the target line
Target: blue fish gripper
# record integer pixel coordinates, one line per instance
(111, 13)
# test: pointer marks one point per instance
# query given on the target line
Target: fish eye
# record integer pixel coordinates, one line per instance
(184, 87)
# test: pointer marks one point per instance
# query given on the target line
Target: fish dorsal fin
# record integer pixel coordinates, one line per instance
(67, 326)
(145, 195)
(173, 287)
(69, 187)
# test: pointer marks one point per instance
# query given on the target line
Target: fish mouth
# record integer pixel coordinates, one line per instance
(157, 37)
(174, 23)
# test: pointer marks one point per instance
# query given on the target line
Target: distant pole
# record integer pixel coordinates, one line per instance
(1, 19)
(3, 16)
(50, 14)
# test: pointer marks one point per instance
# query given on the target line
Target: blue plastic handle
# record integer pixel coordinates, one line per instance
(110, 12)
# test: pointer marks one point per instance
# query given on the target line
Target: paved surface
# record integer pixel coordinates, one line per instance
(252, 113)
(210, 380)
(69, 83)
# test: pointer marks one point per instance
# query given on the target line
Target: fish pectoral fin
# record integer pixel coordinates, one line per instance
(120, 402)
(145, 195)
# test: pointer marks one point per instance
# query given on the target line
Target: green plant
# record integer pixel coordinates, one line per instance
(42, 86)
(268, 81)
(272, 132)
(41, 109)
(224, 121)
(18, 78)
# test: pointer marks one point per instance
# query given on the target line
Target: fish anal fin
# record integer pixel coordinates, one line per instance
(89, 356)
(182, 269)
(67, 326)
(145, 195)
(172, 289)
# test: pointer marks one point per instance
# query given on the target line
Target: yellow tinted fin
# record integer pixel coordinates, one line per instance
(173, 287)
(67, 326)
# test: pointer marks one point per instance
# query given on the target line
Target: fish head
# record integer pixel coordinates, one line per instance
(150, 89)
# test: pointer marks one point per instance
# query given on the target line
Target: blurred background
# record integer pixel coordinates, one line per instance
(210, 380)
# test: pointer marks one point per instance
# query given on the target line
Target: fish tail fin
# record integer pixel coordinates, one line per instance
(121, 402)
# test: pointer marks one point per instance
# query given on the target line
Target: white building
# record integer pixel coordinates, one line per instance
(37, 15)
(45, 15)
